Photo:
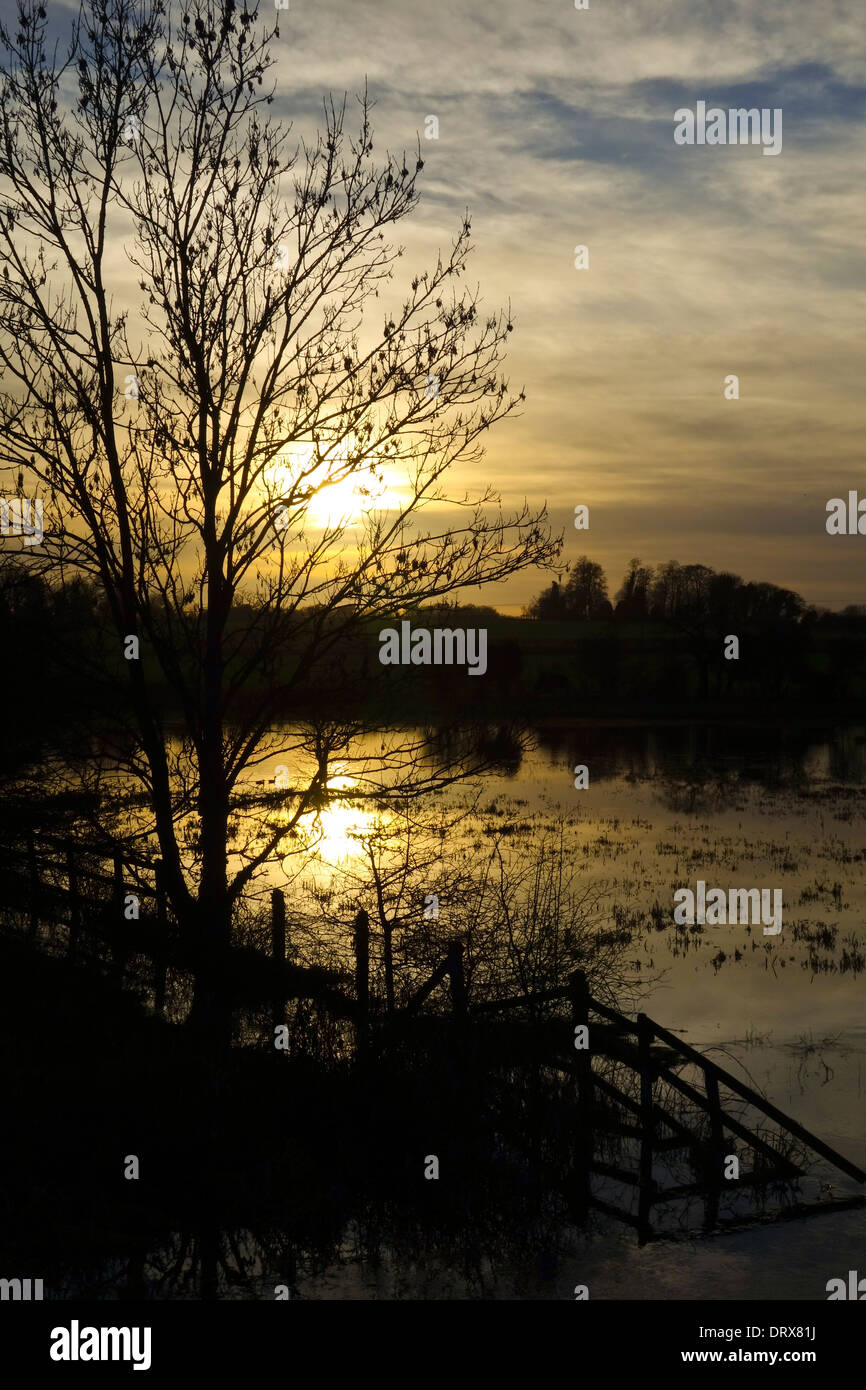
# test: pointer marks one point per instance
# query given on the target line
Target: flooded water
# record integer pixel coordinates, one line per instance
(737, 808)
(666, 807)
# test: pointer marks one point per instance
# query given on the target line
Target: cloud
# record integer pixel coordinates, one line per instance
(556, 128)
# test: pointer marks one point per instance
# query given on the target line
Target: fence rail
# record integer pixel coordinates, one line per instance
(52, 881)
(651, 1051)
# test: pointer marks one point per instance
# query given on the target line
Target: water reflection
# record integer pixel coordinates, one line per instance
(338, 824)
(317, 1184)
(326, 1196)
(771, 755)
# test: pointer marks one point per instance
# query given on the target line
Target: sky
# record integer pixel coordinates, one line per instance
(556, 130)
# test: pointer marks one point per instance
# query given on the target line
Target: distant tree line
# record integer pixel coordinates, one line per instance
(671, 592)
(45, 634)
(658, 644)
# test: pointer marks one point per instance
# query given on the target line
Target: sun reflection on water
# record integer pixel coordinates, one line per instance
(338, 826)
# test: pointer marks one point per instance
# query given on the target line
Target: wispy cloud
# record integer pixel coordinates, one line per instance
(556, 128)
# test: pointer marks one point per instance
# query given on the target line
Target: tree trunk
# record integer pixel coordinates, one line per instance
(210, 1017)
(211, 1014)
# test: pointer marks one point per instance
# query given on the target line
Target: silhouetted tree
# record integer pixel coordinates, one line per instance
(178, 451)
(632, 597)
(549, 604)
(586, 590)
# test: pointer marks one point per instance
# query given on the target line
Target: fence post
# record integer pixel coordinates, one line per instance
(362, 975)
(33, 867)
(458, 978)
(583, 1137)
(714, 1184)
(388, 950)
(278, 925)
(711, 1087)
(644, 1029)
(117, 930)
(74, 901)
(278, 955)
(579, 994)
(161, 944)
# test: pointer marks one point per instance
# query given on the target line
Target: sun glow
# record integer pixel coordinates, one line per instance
(338, 501)
(341, 824)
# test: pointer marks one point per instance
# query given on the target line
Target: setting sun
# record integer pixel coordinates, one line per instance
(342, 824)
(343, 501)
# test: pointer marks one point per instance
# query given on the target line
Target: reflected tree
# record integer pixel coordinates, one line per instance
(201, 454)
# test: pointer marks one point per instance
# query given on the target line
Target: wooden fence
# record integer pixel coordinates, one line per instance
(653, 1054)
(50, 877)
(52, 883)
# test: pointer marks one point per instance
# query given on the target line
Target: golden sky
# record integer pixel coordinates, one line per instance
(556, 130)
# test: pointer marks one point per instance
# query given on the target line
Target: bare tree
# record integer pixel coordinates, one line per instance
(519, 902)
(632, 597)
(586, 591)
(180, 450)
